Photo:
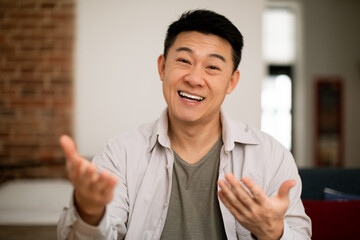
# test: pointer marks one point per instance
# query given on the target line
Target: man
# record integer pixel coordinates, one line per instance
(179, 177)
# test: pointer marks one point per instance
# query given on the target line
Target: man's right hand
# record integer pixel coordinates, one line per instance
(93, 190)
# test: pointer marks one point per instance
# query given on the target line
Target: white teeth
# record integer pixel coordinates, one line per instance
(184, 94)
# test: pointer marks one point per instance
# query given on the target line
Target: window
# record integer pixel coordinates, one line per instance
(279, 54)
(276, 102)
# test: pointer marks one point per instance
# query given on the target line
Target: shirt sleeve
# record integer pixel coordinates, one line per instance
(113, 224)
(71, 226)
(292, 234)
(270, 166)
(297, 225)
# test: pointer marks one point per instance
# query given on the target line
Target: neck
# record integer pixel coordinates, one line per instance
(192, 141)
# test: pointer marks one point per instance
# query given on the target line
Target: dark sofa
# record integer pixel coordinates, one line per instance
(332, 219)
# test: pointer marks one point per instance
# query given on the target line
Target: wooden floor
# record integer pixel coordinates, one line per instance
(27, 232)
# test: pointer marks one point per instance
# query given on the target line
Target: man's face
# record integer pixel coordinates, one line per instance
(196, 76)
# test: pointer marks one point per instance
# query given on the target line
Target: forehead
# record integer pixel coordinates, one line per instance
(197, 41)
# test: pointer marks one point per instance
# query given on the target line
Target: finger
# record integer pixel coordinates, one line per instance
(75, 164)
(109, 180)
(112, 180)
(68, 145)
(239, 191)
(103, 181)
(108, 191)
(224, 187)
(230, 206)
(75, 167)
(88, 177)
(258, 194)
(103, 188)
(100, 184)
(73, 170)
(285, 188)
(229, 198)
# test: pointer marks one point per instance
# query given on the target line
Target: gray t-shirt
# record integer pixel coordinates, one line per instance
(194, 211)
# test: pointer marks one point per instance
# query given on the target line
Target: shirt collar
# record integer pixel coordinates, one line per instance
(160, 131)
(236, 132)
(232, 131)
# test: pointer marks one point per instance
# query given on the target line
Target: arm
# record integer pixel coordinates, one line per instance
(86, 216)
(92, 190)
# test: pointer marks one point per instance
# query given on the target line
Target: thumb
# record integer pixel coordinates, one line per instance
(285, 188)
(68, 145)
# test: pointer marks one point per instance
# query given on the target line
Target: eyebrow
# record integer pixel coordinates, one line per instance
(186, 49)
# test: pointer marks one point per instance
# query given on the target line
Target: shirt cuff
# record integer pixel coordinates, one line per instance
(284, 235)
(286, 232)
(85, 229)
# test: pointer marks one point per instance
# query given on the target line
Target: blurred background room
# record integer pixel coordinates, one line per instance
(88, 68)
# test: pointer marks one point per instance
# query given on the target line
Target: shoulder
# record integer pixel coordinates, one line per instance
(131, 145)
(246, 135)
(266, 140)
(137, 137)
(270, 146)
(255, 142)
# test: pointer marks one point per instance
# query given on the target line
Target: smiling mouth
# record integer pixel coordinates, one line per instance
(189, 97)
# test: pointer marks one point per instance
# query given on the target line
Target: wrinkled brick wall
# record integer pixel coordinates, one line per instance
(36, 84)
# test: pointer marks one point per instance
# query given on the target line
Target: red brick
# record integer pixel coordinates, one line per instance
(31, 37)
(7, 112)
(48, 5)
(26, 82)
(28, 102)
(27, 5)
(9, 68)
(7, 49)
(24, 58)
(49, 25)
(8, 93)
(23, 15)
(67, 5)
(66, 15)
(2, 37)
(7, 4)
(8, 26)
(35, 84)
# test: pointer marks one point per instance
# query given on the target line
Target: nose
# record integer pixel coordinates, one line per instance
(195, 76)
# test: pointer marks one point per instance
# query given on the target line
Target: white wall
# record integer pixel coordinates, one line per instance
(116, 83)
(332, 44)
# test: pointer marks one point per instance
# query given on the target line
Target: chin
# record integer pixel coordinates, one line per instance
(186, 116)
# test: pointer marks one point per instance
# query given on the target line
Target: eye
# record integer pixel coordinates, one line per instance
(183, 60)
(213, 68)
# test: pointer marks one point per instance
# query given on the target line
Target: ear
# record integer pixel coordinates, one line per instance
(161, 66)
(233, 81)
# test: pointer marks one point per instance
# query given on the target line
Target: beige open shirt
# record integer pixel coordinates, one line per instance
(143, 162)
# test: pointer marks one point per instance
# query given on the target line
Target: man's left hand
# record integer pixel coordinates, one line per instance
(261, 215)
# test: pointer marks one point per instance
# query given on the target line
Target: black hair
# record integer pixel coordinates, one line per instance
(206, 22)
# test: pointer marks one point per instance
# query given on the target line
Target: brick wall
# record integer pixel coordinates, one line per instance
(36, 84)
